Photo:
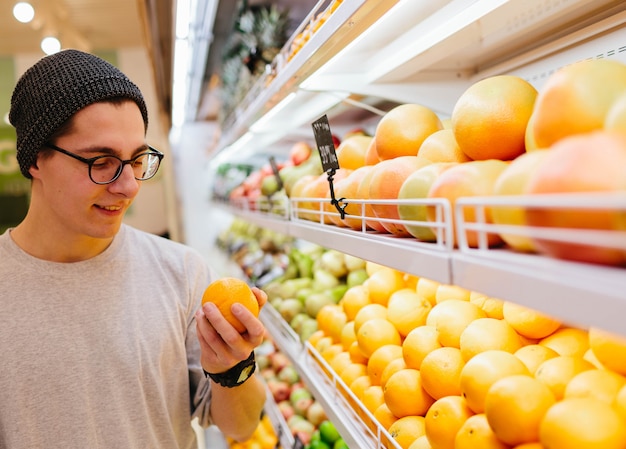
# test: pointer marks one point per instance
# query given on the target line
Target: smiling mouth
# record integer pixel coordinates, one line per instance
(110, 208)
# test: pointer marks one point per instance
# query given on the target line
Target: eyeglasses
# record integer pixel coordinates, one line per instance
(107, 168)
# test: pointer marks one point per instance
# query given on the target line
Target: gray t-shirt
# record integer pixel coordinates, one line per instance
(102, 353)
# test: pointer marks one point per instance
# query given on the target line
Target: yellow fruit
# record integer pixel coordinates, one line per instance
(515, 406)
(591, 358)
(352, 372)
(421, 443)
(225, 292)
(451, 317)
(351, 151)
(427, 289)
(406, 430)
(418, 343)
(620, 402)
(368, 312)
(558, 371)
(446, 291)
(486, 334)
(373, 267)
(441, 372)
(348, 335)
(384, 416)
(489, 119)
(359, 385)
(616, 116)
(529, 322)
(355, 353)
(568, 341)
(492, 306)
(379, 360)
(393, 367)
(407, 310)
(417, 186)
(482, 371)
(576, 99)
(375, 333)
(373, 397)
(441, 146)
(513, 181)
(600, 384)
(331, 319)
(534, 355)
(609, 349)
(402, 130)
(339, 361)
(444, 419)
(475, 433)
(382, 284)
(582, 423)
(353, 300)
(533, 445)
(405, 395)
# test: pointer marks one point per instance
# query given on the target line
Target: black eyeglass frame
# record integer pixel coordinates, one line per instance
(92, 160)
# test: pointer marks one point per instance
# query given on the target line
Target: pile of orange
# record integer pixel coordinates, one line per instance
(440, 366)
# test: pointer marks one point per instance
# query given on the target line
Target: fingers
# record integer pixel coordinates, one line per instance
(261, 296)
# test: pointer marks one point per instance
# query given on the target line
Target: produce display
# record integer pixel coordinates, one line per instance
(439, 366)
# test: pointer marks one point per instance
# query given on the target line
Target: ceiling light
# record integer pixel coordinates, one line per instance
(23, 12)
(50, 45)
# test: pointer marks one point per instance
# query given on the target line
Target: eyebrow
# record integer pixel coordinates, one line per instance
(113, 152)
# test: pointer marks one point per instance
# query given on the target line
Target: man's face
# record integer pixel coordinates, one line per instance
(64, 195)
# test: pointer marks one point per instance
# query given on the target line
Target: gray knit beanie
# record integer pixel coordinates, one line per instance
(57, 87)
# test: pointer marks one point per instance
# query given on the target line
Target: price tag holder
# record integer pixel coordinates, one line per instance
(298, 444)
(330, 163)
(275, 170)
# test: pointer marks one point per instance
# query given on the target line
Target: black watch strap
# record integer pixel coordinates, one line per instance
(236, 375)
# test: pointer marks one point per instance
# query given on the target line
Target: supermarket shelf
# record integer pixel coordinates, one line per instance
(338, 401)
(572, 291)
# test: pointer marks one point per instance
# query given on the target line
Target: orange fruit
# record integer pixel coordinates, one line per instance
(609, 349)
(328, 318)
(513, 181)
(447, 291)
(533, 445)
(582, 423)
(529, 322)
(369, 312)
(340, 361)
(489, 119)
(363, 193)
(474, 178)
(403, 129)
(331, 351)
(418, 343)
(427, 288)
(373, 397)
(371, 155)
(351, 151)
(348, 188)
(382, 284)
(348, 335)
(451, 317)
(355, 353)
(353, 300)
(314, 194)
(444, 419)
(405, 395)
(586, 165)
(568, 341)
(406, 430)
(515, 406)
(482, 371)
(375, 333)
(534, 355)
(484, 334)
(591, 358)
(352, 372)
(384, 416)
(379, 360)
(407, 310)
(576, 99)
(225, 292)
(492, 306)
(441, 146)
(620, 402)
(416, 187)
(441, 372)
(359, 385)
(475, 433)
(558, 371)
(421, 443)
(616, 115)
(385, 184)
(602, 384)
(394, 366)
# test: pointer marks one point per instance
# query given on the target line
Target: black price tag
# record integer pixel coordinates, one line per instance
(324, 141)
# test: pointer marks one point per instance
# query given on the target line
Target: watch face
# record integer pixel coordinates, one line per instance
(245, 373)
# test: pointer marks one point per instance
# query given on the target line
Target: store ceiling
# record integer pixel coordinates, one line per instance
(93, 25)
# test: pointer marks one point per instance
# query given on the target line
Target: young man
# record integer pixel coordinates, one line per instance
(103, 341)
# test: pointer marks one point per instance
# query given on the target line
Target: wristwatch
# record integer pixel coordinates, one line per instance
(236, 375)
